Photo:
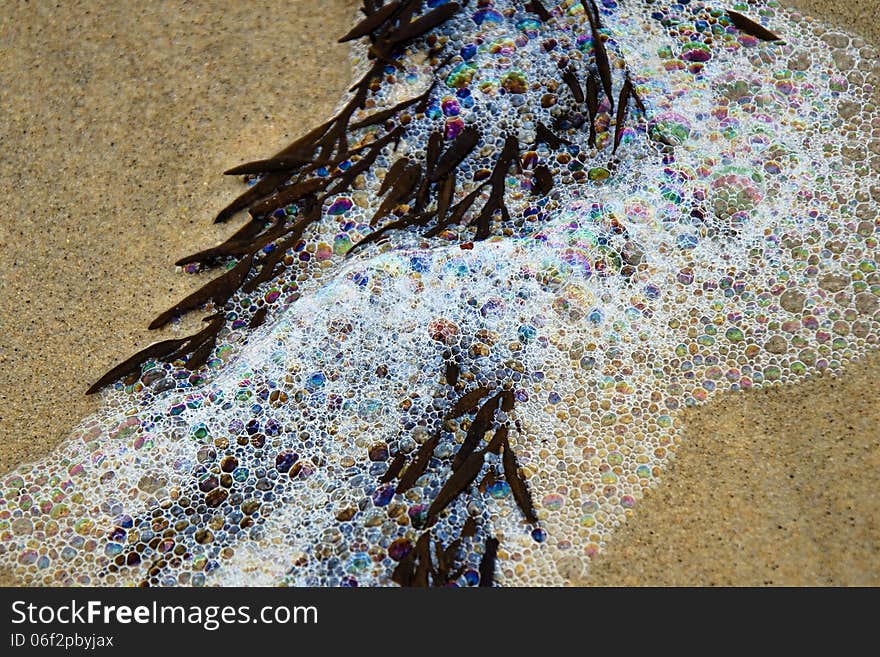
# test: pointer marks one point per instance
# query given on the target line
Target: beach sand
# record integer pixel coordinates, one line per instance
(115, 123)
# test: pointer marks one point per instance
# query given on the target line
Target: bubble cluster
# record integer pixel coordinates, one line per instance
(728, 242)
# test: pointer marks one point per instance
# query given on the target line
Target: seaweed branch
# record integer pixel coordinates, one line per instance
(420, 567)
(294, 176)
(291, 187)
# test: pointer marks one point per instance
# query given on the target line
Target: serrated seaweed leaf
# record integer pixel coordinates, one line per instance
(545, 135)
(291, 237)
(218, 290)
(424, 24)
(239, 247)
(592, 107)
(601, 56)
(393, 174)
(537, 8)
(165, 350)
(287, 195)
(372, 22)
(238, 244)
(509, 155)
(417, 468)
(461, 147)
(592, 10)
(284, 163)
(572, 83)
(298, 150)
(480, 425)
(543, 180)
(460, 479)
(487, 562)
(200, 356)
(622, 106)
(259, 190)
(155, 351)
(467, 402)
(258, 317)
(517, 484)
(475, 433)
(498, 440)
(747, 25)
(383, 115)
(379, 233)
(402, 188)
(432, 152)
(457, 214)
(344, 181)
(394, 469)
(444, 196)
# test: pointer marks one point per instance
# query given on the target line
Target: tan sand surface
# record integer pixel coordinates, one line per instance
(116, 120)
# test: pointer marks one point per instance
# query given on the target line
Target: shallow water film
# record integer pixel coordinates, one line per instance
(453, 341)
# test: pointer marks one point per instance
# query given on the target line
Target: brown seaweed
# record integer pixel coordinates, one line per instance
(403, 572)
(258, 317)
(379, 233)
(545, 135)
(457, 214)
(537, 8)
(384, 115)
(543, 180)
(622, 106)
(475, 432)
(288, 195)
(509, 155)
(165, 350)
(638, 99)
(238, 244)
(394, 469)
(572, 83)
(452, 373)
(593, 11)
(417, 468)
(218, 290)
(372, 22)
(592, 107)
(414, 568)
(601, 56)
(487, 562)
(467, 402)
(393, 174)
(260, 189)
(480, 425)
(445, 195)
(424, 24)
(401, 189)
(498, 439)
(460, 479)
(423, 560)
(747, 25)
(291, 237)
(156, 351)
(455, 154)
(517, 484)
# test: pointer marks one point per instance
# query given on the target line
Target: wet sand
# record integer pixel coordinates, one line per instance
(115, 123)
